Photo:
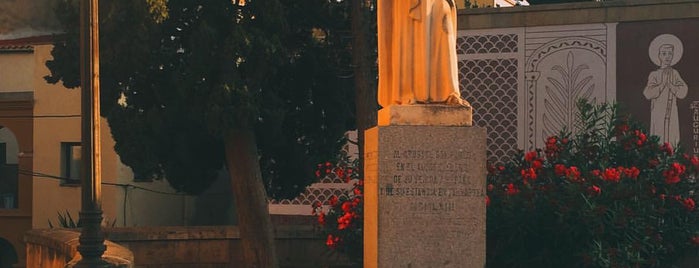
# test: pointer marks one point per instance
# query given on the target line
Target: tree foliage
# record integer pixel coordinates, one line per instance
(176, 74)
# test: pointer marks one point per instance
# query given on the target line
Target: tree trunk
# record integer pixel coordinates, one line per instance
(365, 85)
(254, 222)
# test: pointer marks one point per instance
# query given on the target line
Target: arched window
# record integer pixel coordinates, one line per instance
(9, 171)
(8, 254)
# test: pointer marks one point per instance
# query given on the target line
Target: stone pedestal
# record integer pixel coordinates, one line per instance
(425, 194)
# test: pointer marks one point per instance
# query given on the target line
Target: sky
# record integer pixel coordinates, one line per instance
(23, 18)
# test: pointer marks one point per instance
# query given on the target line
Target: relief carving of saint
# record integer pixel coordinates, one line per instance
(664, 87)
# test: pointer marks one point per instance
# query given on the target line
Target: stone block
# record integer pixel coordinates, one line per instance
(424, 196)
(428, 114)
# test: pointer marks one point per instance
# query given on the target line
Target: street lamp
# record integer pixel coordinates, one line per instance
(91, 245)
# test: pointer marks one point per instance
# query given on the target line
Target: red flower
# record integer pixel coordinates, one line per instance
(340, 172)
(551, 146)
(631, 172)
(596, 173)
(530, 156)
(321, 218)
(357, 191)
(672, 175)
(689, 204)
(611, 174)
(537, 164)
(559, 170)
(487, 201)
(346, 206)
(695, 161)
(528, 174)
(333, 200)
(623, 128)
(573, 173)
(344, 221)
(695, 240)
(356, 201)
(332, 241)
(318, 174)
(511, 190)
(667, 148)
(653, 163)
(491, 169)
(640, 138)
(490, 187)
(594, 190)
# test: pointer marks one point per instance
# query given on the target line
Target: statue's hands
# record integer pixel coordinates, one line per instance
(665, 78)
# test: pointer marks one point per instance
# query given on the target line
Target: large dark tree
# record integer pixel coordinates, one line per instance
(262, 87)
(364, 53)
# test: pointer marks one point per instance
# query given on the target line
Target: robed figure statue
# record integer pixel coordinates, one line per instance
(417, 53)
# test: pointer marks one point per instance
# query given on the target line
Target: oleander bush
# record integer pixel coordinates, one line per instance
(341, 218)
(605, 194)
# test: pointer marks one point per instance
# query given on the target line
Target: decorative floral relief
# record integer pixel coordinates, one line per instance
(561, 99)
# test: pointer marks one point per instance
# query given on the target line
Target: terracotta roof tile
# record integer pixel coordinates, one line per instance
(24, 44)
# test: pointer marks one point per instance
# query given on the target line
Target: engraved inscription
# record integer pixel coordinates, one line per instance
(430, 173)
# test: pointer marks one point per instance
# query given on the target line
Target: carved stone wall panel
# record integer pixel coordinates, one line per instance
(564, 64)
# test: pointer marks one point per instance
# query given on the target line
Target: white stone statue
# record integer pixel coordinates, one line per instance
(664, 87)
(417, 53)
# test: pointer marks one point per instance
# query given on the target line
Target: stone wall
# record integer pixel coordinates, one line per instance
(523, 68)
(57, 248)
(219, 246)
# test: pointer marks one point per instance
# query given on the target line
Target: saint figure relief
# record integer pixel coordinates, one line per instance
(417, 53)
(665, 86)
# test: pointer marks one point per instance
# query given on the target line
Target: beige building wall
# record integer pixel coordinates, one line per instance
(124, 202)
(57, 119)
(13, 64)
